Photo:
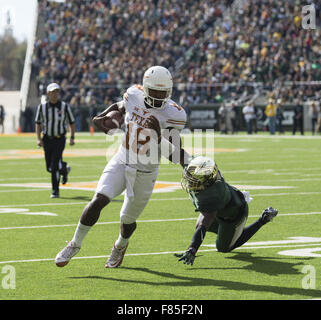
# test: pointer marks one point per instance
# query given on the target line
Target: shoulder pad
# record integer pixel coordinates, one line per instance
(135, 90)
(176, 116)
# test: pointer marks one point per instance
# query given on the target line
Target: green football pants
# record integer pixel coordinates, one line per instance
(229, 231)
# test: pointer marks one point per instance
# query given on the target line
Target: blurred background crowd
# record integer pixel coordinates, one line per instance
(223, 52)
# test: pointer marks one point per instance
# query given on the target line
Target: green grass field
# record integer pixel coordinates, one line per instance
(281, 171)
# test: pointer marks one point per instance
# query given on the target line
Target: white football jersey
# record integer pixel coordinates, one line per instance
(137, 149)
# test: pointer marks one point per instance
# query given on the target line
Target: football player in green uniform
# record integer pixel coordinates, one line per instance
(223, 209)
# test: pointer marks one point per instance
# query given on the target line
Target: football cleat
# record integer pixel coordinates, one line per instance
(116, 257)
(268, 214)
(64, 256)
(55, 194)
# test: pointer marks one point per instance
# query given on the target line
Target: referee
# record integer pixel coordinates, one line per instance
(51, 119)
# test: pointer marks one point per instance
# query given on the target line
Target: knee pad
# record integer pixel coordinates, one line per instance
(125, 219)
(99, 201)
(222, 248)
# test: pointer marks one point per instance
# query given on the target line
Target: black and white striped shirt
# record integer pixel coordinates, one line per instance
(53, 118)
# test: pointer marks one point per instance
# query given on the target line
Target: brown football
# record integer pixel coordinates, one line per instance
(113, 120)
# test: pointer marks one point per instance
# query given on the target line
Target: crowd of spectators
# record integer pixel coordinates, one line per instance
(95, 49)
(261, 42)
(270, 117)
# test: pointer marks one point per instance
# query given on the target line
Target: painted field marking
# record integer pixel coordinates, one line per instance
(24, 190)
(44, 204)
(111, 149)
(292, 240)
(26, 212)
(172, 252)
(283, 194)
(143, 221)
(40, 213)
(160, 186)
(98, 223)
(306, 252)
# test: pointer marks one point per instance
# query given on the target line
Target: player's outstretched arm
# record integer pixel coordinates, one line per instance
(174, 152)
(204, 221)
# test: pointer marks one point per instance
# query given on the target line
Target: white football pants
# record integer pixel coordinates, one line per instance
(118, 177)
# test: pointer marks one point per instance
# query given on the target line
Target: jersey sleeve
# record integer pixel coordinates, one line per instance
(176, 116)
(132, 95)
(39, 116)
(70, 115)
(214, 198)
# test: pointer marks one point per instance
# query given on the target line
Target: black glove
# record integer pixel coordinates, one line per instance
(188, 256)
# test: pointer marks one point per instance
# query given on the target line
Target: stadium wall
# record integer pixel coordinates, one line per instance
(26, 76)
(206, 117)
(11, 103)
(201, 117)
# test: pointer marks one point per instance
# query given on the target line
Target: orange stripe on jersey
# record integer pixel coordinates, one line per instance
(176, 121)
(177, 106)
(176, 124)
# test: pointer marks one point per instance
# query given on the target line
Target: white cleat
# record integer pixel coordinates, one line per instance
(116, 257)
(64, 256)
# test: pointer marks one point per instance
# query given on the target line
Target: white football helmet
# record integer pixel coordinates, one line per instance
(157, 86)
(200, 173)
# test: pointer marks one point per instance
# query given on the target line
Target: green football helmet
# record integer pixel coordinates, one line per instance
(199, 174)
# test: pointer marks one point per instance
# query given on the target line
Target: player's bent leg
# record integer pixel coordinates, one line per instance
(127, 228)
(230, 231)
(266, 216)
(110, 185)
(91, 212)
(131, 210)
(88, 218)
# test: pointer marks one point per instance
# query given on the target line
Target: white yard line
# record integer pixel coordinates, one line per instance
(43, 204)
(155, 199)
(284, 194)
(47, 178)
(273, 180)
(98, 223)
(145, 221)
(161, 253)
(26, 190)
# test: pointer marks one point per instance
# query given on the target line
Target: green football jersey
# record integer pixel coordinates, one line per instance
(221, 197)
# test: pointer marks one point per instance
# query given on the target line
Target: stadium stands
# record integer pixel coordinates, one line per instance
(97, 45)
(217, 50)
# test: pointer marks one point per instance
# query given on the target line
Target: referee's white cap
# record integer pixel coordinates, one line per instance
(53, 86)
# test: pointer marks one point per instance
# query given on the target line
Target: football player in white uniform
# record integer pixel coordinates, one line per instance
(149, 114)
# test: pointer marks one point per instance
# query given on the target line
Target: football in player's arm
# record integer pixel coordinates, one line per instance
(223, 209)
(99, 120)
